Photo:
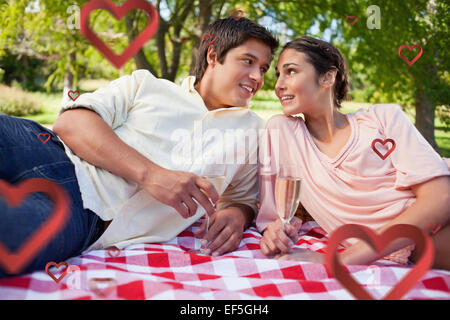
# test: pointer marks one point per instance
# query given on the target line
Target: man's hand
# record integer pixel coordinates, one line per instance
(225, 231)
(279, 238)
(179, 189)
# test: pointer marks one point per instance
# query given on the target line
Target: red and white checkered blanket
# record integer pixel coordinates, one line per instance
(168, 271)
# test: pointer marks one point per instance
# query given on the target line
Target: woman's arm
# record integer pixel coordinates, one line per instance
(432, 205)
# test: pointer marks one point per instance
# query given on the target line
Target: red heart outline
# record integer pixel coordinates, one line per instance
(44, 134)
(15, 262)
(93, 282)
(119, 12)
(434, 227)
(57, 266)
(410, 48)
(70, 91)
(113, 249)
(207, 35)
(383, 143)
(423, 242)
(351, 23)
(237, 17)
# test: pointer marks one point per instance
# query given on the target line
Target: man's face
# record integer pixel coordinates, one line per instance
(236, 81)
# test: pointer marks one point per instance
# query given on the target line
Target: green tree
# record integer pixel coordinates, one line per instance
(64, 55)
(374, 54)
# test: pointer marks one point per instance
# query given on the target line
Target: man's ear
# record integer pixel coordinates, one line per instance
(328, 79)
(211, 56)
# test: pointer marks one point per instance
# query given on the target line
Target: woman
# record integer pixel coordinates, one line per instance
(371, 167)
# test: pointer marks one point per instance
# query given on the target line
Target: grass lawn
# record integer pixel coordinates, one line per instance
(265, 104)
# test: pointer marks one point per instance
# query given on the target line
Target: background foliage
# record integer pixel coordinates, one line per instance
(42, 50)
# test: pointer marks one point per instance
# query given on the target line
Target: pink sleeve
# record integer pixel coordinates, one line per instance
(413, 158)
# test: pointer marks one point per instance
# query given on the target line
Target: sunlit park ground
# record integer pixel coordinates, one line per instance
(264, 104)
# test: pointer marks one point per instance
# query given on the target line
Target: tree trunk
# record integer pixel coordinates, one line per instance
(161, 44)
(177, 24)
(139, 58)
(425, 117)
(203, 22)
(68, 78)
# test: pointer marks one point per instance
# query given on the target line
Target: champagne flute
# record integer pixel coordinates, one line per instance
(218, 181)
(287, 196)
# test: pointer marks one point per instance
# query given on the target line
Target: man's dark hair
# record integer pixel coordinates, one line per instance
(324, 57)
(230, 34)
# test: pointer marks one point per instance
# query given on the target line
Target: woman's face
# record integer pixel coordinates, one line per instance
(297, 86)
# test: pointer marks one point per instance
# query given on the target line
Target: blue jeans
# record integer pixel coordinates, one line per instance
(24, 156)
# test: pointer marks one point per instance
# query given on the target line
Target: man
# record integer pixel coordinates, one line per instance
(116, 158)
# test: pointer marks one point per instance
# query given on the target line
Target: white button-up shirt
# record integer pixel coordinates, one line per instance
(171, 126)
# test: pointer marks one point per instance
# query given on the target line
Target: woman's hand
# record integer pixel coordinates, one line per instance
(279, 238)
(225, 231)
(178, 189)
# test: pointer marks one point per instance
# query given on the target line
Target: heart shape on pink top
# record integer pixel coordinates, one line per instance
(383, 143)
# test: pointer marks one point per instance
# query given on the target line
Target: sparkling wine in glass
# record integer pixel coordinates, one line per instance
(287, 196)
(218, 181)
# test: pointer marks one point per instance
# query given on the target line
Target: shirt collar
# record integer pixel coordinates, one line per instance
(188, 85)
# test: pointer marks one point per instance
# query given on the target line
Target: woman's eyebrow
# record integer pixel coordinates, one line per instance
(287, 65)
(290, 63)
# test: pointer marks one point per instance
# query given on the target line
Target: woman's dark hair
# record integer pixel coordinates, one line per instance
(324, 57)
(230, 34)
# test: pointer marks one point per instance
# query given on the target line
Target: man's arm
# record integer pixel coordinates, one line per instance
(93, 140)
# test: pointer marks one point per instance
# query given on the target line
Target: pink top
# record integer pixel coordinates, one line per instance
(358, 185)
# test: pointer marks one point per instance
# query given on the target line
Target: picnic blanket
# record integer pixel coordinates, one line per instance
(168, 271)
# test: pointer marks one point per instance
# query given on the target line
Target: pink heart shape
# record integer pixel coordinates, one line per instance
(351, 17)
(73, 94)
(44, 134)
(14, 262)
(410, 48)
(237, 17)
(383, 143)
(424, 245)
(208, 36)
(119, 12)
(57, 266)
